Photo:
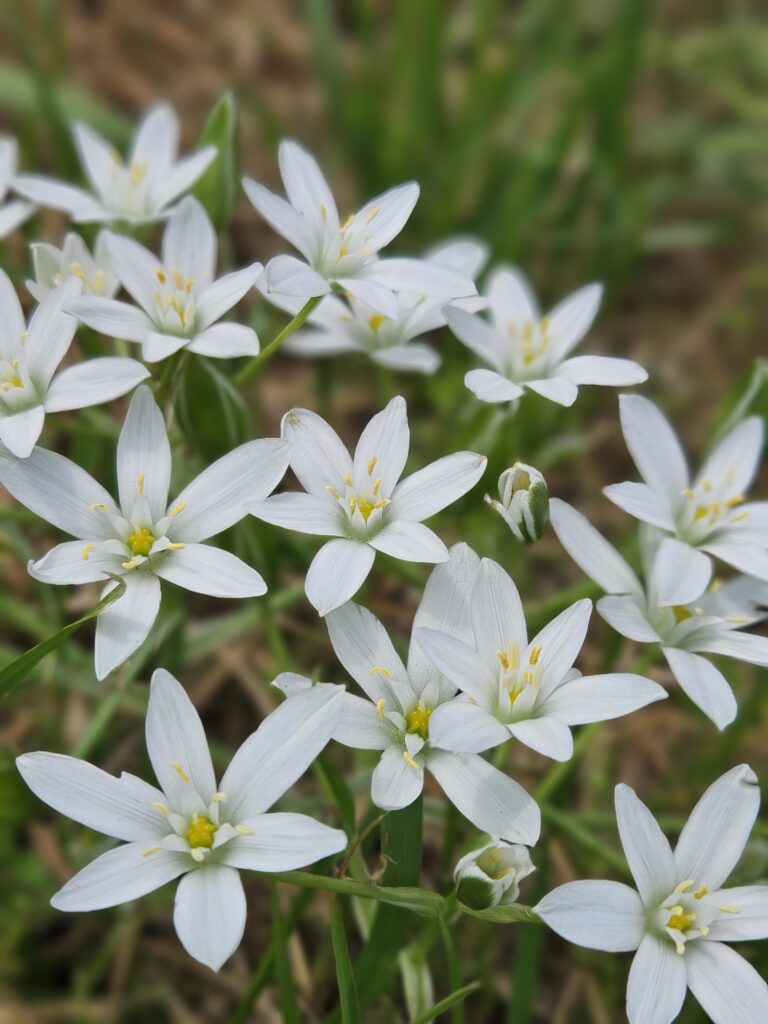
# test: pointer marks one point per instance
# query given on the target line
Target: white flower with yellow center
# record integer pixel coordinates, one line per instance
(30, 355)
(143, 538)
(360, 501)
(528, 350)
(515, 688)
(54, 266)
(710, 514)
(191, 826)
(136, 190)
(344, 254)
(402, 704)
(680, 917)
(178, 299)
(13, 212)
(677, 608)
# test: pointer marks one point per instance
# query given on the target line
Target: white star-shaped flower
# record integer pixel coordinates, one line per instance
(54, 266)
(192, 827)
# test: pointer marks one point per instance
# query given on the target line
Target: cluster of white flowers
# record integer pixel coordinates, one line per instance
(472, 679)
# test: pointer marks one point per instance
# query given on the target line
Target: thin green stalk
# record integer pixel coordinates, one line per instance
(282, 967)
(454, 969)
(258, 362)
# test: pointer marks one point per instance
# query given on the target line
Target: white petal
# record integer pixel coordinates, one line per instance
(301, 512)
(387, 214)
(58, 491)
(421, 277)
(307, 188)
(209, 913)
(13, 214)
(280, 216)
(599, 915)
(97, 157)
(337, 572)
(591, 551)
(556, 389)
(88, 795)
(225, 341)
(727, 987)
(136, 267)
(747, 558)
(750, 923)
(216, 499)
(640, 501)
(625, 616)
(49, 192)
(181, 177)
(511, 298)
(465, 727)
(704, 684)
(413, 542)
(144, 455)
(653, 445)
(119, 876)
(157, 137)
(558, 644)
(546, 735)
(411, 358)
(657, 983)
(680, 573)
(281, 750)
(225, 293)
(318, 458)
(176, 741)
(21, 431)
(497, 614)
(12, 323)
(310, 343)
(429, 490)
(360, 725)
(207, 570)
(570, 320)
(734, 644)
(50, 333)
(736, 458)
(288, 276)
(361, 644)
(113, 318)
(158, 346)
(717, 830)
(283, 842)
(606, 370)
(465, 255)
(479, 336)
(646, 847)
(189, 246)
(600, 698)
(491, 387)
(73, 562)
(125, 625)
(460, 663)
(372, 293)
(385, 438)
(93, 382)
(493, 802)
(395, 783)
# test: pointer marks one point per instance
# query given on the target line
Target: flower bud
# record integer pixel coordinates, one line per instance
(524, 504)
(491, 876)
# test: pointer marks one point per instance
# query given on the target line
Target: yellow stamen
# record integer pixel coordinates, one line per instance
(409, 760)
(200, 832)
(503, 658)
(178, 508)
(740, 517)
(376, 487)
(737, 499)
(347, 478)
(715, 585)
(161, 808)
(738, 619)
(681, 613)
(701, 892)
(376, 321)
(244, 830)
(97, 284)
(685, 886)
(728, 909)
(98, 506)
(132, 564)
(140, 541)
(372, 214)
(535, 655)
(140, 484)
(380, 670)
(680, 948)
(179, 771)
(372, 465)
(174, 546)
(87, 551)
(152, 849)
(323, 213)
(332, 490)
(77, 270)
(177, 279)
(219, 797)
(380, 708)
(688, 493)
(681, 921)
(417, 721)
(161, 275)
(198, 855)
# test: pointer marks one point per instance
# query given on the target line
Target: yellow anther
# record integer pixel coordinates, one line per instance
(728, 909)
(179, 771)
(701, 512)
(372, 465)
(376, 486)
(681, 613)
(688, 493)
(380, 708)
(174, 546)
(332, 490)
(132, 564)
(380, 670)
(535, 655)
(151, 850)
(706, 485)
(738, 619)
(161, 275)
(715, 585)
(680, 947)
(343, 251)
(77, 269)
(739, 517)
(347, 222)
(140, 484)
(244, 830)
(200, 832)
(141, 541)
(417, 721)
(197, 855)
(98, 506)
(372, 214)
(323, 213)
(177, 279)
(409, 760)
(161, 808)
(737, 499)
(189, 284)
(137, 171)
(529, 679)
(685, 886)
(178, 508)
(376, 321)
(680, 921)
(219, 798)
(97, 282)
(347, 478)
(503, 658)
(87, 551)
(704, 929)
(382, 503)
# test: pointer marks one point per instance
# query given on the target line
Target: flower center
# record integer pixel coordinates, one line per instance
(177, 301)
(681, 613)
(200, 832)
(512, 679)
(533, 339)
(362, 501)
(9, 375)
(417, 720)
(140, 542)
(708, 506)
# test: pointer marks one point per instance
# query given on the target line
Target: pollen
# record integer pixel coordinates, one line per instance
(140, 542)
(219, 798)
(417, 721)
(200, 832)
(535, 655)
(680, 920)
(376, 321)
(77, 270)
(161, 808)
(161, 275)
(178, 508)
(151, 850)
(347, 478)
(87, 551)
(380, 708)
(98, 506)
(244, 830)
(726, 908)
(685, 886)
(681, 613)
(410, 761)
(380, 670)
(179, 771)
(372, 465)
(701, 892)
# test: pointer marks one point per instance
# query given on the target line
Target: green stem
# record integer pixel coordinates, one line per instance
(166, 386)
(258, 362)
(454, 969)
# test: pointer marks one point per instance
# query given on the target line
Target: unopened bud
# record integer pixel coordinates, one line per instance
(491, 876)
(524, 503)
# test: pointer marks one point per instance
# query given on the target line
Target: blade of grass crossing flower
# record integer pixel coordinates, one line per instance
(282, 968)
(13, 675)
(258, 362)
(350, 1009)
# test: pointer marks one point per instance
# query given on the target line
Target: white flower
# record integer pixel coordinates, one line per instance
(338, 327)
(178, 299)
(360, 502)
(190, 826)
(524, 504)
(344, 254)
(29, 358)
(515, 688)
(491, 876)
(402, 702)
(680, 917)
(526, 350)
(53, 266)
(708, 514)
(676, 608)
(143, 538)
(137, 190)
(14, 212)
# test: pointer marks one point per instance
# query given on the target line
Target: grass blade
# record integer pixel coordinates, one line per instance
(350, 1009)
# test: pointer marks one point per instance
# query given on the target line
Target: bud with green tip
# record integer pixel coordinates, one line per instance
(491, 876)
(524, 504)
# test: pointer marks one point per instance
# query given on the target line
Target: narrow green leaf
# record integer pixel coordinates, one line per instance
(448, 1003)
(211, 412)
(350, 1010)
(515, 912)
(747, 397)
(282, 968)
(405, 897)
(417, 980)
(217, 188)
(13, 675)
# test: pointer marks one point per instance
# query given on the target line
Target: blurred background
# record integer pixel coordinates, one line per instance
(618, 141)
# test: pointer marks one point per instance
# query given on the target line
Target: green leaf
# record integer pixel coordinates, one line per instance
(13, 675)
(217, 188)
(417, 980)
(282, 968)
(514, 912)
(446, 1004)
(350, 1010)
(405, 897)
(211, 412)
(748, 397)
